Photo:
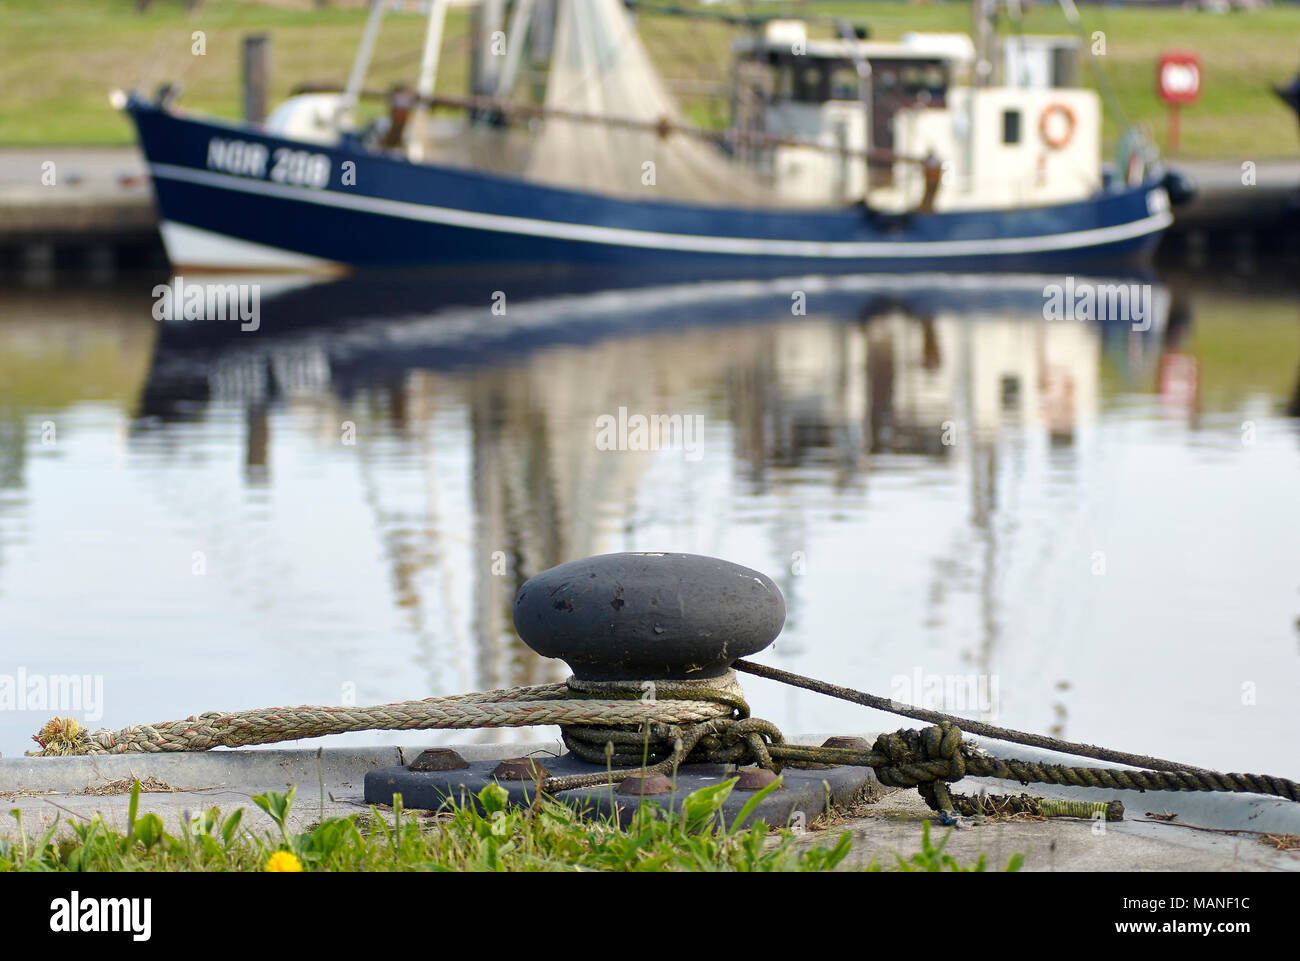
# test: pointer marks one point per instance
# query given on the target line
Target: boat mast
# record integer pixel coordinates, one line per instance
(865, 92)
(352, 92)
(428, 76)
(984, 36)
(519, 20)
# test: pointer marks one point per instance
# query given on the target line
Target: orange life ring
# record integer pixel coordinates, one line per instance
(1059, 141)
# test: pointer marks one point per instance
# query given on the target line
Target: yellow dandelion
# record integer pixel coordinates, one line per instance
(283, 861)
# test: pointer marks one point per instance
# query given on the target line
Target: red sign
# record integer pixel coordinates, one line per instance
(1178, 78)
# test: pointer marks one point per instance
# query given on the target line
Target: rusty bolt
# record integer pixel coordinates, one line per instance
(520, 769)
(754, 778)
(644, 785)
(438, 759)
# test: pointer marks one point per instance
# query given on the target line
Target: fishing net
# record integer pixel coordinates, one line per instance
(599, 67)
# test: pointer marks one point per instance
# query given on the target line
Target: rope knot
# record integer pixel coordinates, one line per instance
(924, 759)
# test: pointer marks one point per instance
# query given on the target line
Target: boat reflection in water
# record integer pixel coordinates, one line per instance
(794, 381)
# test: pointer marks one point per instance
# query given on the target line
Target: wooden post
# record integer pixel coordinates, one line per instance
(257, 75)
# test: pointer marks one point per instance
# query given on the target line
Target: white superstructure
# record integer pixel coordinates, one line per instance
(1027, 141)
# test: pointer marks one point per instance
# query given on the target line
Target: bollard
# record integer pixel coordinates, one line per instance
(623, 619)
(647, 617)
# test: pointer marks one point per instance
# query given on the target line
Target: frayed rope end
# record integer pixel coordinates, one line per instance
(60, 737)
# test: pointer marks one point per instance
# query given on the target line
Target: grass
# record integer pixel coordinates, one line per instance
(59, 58)
(481, 835)
(932, 859)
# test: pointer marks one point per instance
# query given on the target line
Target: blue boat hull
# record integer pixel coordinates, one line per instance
(221, 201)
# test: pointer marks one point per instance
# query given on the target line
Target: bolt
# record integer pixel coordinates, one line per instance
(644, 785)
(438, 759)
(520, 769)
(754, 778)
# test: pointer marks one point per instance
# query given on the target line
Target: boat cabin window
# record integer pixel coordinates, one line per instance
(845, 84)
(1011, 126)
(804, 79)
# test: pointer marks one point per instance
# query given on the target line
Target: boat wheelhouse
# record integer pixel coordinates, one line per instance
(1033, 138)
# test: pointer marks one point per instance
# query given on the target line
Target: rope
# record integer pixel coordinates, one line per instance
(1002, 805)
(642, 745)
(969, 726)
(927, 758)
(653, 727)
(513, 707)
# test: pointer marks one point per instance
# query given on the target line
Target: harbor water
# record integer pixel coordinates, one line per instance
(1062, 525)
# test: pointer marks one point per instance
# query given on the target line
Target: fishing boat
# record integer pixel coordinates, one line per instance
(844, 155)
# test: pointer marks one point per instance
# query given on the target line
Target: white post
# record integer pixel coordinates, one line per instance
(427, 79)
(514, 46)
(352, 93)
(432, 48)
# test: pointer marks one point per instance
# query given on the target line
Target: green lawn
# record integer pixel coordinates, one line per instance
(59, 59)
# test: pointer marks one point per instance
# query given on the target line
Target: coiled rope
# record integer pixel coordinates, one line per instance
(653, 727)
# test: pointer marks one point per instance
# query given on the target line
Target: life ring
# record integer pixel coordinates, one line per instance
(1060, 140)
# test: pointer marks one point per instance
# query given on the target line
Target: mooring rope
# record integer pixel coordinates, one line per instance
(653, 727)
(968, 725)
(513, 707)
(938, 754)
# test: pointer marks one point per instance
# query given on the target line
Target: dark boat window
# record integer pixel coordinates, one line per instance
(845, 84)
(1011, 126)
(904, 83)
(1010, 392)
(811, 85)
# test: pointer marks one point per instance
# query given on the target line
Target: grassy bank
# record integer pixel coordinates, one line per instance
(59, 59)
(483, 836)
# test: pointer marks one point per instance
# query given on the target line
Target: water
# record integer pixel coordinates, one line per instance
(1072, 527)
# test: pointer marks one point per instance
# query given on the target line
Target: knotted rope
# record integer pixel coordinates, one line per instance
(660, 725)
(928, 758)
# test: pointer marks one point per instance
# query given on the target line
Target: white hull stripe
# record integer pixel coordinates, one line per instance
(623, 237)
(193, 246)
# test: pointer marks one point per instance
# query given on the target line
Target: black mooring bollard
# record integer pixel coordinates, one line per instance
(636, 617)
(631, 617)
